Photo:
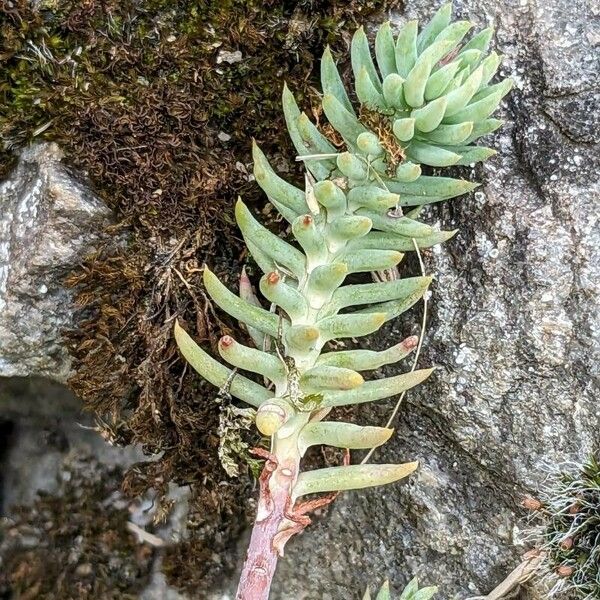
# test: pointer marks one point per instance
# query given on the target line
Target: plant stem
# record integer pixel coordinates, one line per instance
(275, 522)
(261, 558)
(276, 481)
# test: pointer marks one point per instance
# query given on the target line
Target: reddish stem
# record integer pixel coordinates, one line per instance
(261, 558)
(268, 537)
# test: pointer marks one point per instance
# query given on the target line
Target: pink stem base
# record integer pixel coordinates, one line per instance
(261, 558)
(268, 537)
(262, 555)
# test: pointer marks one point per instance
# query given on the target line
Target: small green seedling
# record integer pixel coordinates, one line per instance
(411, 592)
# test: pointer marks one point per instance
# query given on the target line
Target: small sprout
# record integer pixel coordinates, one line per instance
(410, 592)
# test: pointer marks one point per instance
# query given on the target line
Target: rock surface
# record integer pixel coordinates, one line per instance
(48, 222)
(43, 426)
(515, 329)
(514, 326)
(46, 445)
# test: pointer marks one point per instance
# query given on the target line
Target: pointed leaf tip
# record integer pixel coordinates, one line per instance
(177, 328)
(384, 592)
(215, 372)
(351, 477)
(342, 435)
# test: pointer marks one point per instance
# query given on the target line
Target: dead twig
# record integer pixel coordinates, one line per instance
(144, 536)
(524, 572)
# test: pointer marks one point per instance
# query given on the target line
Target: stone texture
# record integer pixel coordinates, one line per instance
(48, 222)
(514, 327)
(42, 428)
(515, 331)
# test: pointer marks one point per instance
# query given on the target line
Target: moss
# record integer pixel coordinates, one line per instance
(74, 545)
(568, 513)
(134, 92)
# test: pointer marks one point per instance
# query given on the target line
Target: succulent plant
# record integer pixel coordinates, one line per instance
(410, 592)
(568, 512)
(348, 219)
(425, 100)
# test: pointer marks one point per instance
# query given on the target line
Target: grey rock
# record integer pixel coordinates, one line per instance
(49, 222)
(515, 328)
(44, 435)
(42, 428)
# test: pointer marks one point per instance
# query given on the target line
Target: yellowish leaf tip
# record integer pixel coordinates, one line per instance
(354, 380)
(379, 318)
(177, 327)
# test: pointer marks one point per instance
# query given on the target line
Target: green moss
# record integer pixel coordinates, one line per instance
(569, 515)
(133, 92)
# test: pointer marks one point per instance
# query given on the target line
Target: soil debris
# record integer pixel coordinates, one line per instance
(76, 544)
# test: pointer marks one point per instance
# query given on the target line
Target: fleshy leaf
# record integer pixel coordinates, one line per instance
(398, 225)
(377, 389)
(331, 81)
(342, 435)
(366, 360)
(326, 377)
(352, 477)
(251, 359)
(377, 239)
(274, 288)
(350, 325)
(412, 591)
(385, 51)
(384, 592)
(409, 289)
(273, 246)
(217, 374)
(274, 186)
(247, 294)
(252, 315)
(361, 261)
(305, 142)
(361, 58)
(438, 22)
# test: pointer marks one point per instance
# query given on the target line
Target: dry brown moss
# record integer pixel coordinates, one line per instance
(381, 125)
(134, 93)
(74, 545)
